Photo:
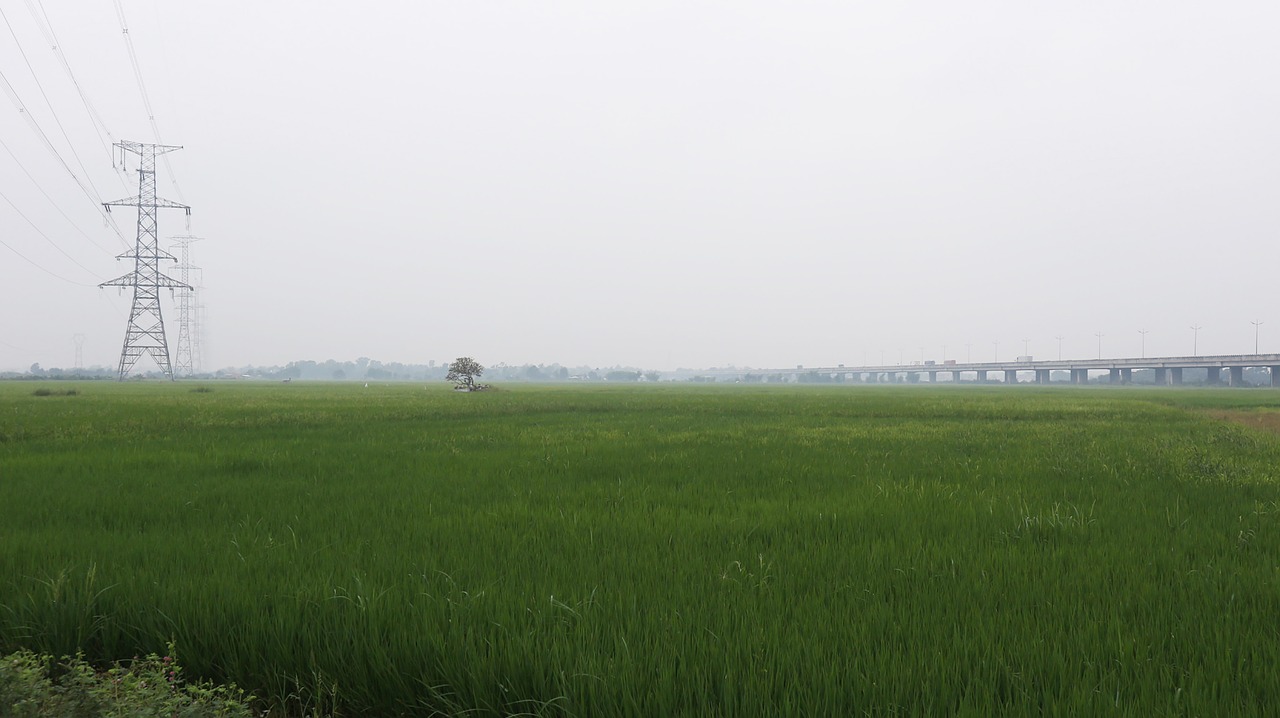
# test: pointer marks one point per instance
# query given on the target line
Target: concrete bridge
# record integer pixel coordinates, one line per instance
(1166, 370)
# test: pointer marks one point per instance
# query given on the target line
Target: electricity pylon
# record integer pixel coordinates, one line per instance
(197, 337)
(145, 332)
(183, 355)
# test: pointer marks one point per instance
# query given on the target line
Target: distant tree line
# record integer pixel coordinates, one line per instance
(365, 369)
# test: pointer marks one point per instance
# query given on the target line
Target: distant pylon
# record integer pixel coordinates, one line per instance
(183, 356)
(145, 332)
(197, 336)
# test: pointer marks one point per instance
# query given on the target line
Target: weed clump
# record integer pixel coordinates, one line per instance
(42, 391)
(37, 686)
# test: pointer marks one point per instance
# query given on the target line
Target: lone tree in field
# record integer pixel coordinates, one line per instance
(463, 371)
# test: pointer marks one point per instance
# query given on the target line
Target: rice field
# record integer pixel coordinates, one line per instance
(655, 550)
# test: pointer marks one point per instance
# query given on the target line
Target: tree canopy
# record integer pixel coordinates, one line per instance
(463, 371)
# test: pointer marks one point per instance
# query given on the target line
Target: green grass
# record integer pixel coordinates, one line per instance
(654, 550)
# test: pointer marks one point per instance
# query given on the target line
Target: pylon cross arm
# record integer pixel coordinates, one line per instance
(158, 203)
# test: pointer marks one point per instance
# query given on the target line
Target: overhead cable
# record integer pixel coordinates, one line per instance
(45, 26)
(46, 237)
(47, 103)
(33, 263)
(51, 202)
(146, 98)
(35, 126)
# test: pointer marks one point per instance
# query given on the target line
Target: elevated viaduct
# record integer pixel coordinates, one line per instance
(1166, 370)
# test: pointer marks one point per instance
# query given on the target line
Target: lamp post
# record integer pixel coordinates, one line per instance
(1255, 335)
(996, 354)
(1059, 338)
(968, 353)
(1099, 336)
(1144, 332)
(1195, 341)
(1026, 344)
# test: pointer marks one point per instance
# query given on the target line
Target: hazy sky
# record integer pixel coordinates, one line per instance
(657, 184)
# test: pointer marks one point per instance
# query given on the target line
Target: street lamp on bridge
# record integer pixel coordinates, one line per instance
(1255, 335)
(1144, 333)
(1099, 336)
(1195, 341)
(1059, 338)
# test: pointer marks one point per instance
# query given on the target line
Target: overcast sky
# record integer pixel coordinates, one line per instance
(658, 184)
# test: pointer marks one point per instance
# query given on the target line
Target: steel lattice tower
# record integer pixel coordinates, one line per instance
(197, 337)
(183, 357)
(145, 332)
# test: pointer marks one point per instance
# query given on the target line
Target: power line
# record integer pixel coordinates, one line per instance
(33, 263)
(51, 202)
(146, 98)
(46, 237)
(35, 126)
(49, 104)
(45, 25)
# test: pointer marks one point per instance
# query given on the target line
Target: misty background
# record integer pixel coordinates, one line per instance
(652, 185)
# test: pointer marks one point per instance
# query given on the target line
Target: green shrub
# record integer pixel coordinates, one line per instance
(42, 391)
(35, 686)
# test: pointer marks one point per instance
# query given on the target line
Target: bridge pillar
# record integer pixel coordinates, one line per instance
(982, 376)
(1274, 371)
(1115, 376)
(1214, 375)
(1175, 375)
(1079, 376)
(933, 377)
(1236, 374)
(1126, 376)
(955, 377)
(1011, 376)
(1162, 376)
(1042, 376)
